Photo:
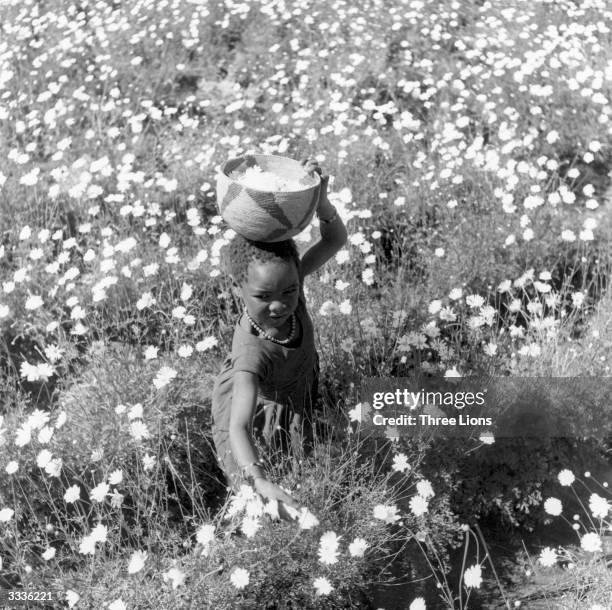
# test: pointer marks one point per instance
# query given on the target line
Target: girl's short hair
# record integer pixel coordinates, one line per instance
(241, 251)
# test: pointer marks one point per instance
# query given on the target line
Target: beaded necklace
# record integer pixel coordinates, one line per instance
(266, 335)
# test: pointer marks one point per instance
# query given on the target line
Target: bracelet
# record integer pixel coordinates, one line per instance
(258, 463)
(334, 216)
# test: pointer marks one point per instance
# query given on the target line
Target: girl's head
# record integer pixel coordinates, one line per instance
(266, 277)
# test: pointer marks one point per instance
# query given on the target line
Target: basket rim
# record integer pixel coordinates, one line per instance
(222, 172)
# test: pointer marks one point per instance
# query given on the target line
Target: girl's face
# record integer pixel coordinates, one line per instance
(271, 292)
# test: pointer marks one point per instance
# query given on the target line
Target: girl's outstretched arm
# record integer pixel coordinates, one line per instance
(333, 231)
(244, 399)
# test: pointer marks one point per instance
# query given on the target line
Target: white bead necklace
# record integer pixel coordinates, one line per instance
(266, 335)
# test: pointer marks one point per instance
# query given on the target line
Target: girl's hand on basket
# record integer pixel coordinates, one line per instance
(312, 165)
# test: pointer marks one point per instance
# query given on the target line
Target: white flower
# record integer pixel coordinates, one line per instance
(184, 351)
(12, 467)
(206, 344)
(6, 514)
(239, 578)
(72, 597)
(435, 306)
(566, 477)
(150, 352)
(418, 603)
(43, 458)
(99, 492)
(418, 505)
(425, 489)
(49, 554)
(87, 546)
(139, 431)
(45, 434)
(115, 477)
(591, 542)
(474, 300)
(486, 438)
(548, 557)
(386, 513)
(322, 586)
(148, 462)
(72, 494)
(186, 292)
(135, 411)
(599, 506)
(118, 604)
(472, 577)
(328, 548)
(99, 533)
(400, 463)
(33, 302)
(137, 561)
(54, 467)
(205, 536)
(357, 547)
(164, 376)
(553, 507)
(250, 526)
(176, 576)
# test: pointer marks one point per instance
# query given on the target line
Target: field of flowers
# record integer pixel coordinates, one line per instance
(469, 145)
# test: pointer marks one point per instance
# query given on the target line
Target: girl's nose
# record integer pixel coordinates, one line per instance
(277, 307)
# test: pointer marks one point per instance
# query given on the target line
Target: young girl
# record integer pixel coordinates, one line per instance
(268, 383)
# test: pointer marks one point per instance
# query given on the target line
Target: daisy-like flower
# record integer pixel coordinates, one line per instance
(43, 458)
(139, 431)
(12, 467)
(164, 376)
(150, 352)
(49, 554)
(566, 477)
(206, 344)
(72, 494)
(137, 561)
(472, 577)
(357, 547)
(240, 578)
(474, 300)
(548, 557)
(400, 462)
(328, 548)
(418, 603)
(250, 526)
(425, 489)
(486, 438)
(599, 506)
(72, 597)
(418, 505)
(115, 477)
(591, 543)
(322, 586)
(386, 513)
(6, 514)
(99, 492)
(176, 576)
(553, 506)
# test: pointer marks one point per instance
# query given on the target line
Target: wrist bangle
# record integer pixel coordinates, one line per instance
(331, 219)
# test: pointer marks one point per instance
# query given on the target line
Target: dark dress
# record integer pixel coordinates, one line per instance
(288, 378)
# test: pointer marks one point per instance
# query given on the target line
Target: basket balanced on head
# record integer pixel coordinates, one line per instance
(266, 197)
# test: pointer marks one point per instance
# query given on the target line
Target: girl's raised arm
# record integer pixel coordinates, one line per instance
(333, 234)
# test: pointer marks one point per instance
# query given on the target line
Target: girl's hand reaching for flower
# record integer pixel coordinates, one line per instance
(270, 491)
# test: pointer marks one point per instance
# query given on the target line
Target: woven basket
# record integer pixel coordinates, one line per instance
(262, 215)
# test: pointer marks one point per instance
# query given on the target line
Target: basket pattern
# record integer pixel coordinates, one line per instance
(265, 216)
